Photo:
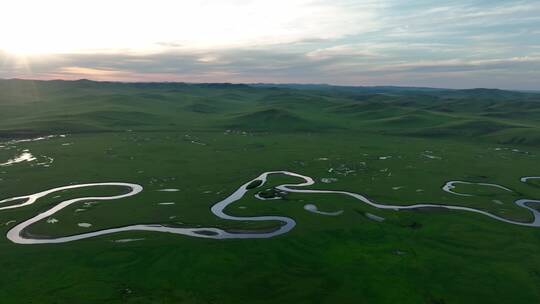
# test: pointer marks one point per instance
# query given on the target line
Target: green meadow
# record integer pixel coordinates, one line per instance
(394, 145)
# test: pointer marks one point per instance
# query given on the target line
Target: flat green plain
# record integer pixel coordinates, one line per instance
(396, 147)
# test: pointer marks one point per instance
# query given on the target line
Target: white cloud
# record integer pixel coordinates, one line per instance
(75, 25)
(341, 50)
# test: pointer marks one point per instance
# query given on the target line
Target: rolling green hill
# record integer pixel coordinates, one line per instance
(190, 146)
(43, 107)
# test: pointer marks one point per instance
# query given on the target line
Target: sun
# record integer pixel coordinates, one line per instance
(67, 26)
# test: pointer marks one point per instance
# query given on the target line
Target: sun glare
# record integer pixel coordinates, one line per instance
(34, 27)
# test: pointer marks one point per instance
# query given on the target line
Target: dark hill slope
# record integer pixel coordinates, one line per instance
(274, 120)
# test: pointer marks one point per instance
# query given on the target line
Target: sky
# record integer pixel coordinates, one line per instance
(450, 44)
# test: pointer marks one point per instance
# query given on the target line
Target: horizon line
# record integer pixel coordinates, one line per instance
(272, 83)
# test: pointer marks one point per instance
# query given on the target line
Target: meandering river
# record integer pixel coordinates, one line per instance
(17, 233)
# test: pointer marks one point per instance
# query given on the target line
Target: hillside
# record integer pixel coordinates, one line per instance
(43, 107)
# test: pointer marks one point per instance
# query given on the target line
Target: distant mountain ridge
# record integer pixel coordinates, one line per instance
(322, 87)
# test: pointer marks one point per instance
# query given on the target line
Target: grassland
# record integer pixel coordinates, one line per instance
(205, 140)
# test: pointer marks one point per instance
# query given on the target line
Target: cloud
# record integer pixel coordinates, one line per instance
(158, 25)
(454, 44)
(269, 65)
(524, 63)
